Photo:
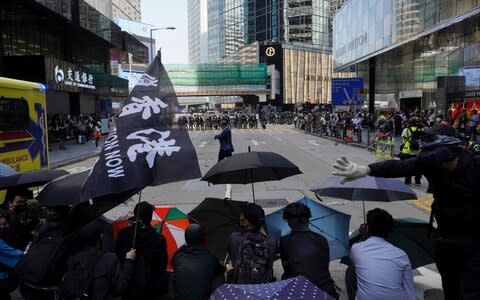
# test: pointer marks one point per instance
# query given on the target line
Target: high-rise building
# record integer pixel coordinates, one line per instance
(103, 6)
(298, 32)
(126, 9)
(197, 32)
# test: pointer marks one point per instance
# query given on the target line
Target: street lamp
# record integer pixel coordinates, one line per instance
(151, 38)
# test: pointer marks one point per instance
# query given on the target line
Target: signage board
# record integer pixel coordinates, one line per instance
(345, 91)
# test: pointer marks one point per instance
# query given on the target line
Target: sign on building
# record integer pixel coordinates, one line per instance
(345, 91)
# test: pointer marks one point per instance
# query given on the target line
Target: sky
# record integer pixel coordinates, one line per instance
(168, 13)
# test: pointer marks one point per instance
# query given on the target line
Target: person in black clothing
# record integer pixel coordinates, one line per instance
(54, 227)
(196, 270)
(304, 252)
(109, 279)
(18, 234)
(150, 278)
(453, 174)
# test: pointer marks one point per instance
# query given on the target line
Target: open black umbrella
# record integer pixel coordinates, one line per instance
(29, 179)
(220, 218)
(66, 190)
(365, 189)
(250, 167)
(412, 236)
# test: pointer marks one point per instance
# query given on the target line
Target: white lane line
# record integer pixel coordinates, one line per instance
(313, 142)
(77, 169)
(255, 143)
(202, 144)
(275, 137)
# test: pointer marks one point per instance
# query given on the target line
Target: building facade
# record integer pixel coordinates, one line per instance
(126, 9)
(412, 54)
(197, 31)
(298, 32)
(67, 48)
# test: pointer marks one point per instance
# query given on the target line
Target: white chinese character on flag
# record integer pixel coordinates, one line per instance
(152, 146)
(146, 104)
(90, 79)
(147, 80)
(84, 77)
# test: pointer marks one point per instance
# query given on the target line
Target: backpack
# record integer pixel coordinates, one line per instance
(44, 261)
(254, 266)
(77, 281)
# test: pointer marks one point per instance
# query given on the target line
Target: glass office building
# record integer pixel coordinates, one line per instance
(65, 44)
(239, 30)
(412, 54)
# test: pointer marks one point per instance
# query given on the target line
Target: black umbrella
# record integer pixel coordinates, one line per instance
(251, 167)
(65, 191)
(29, 179)
(412, 236)
(365, 189)
(220, 218)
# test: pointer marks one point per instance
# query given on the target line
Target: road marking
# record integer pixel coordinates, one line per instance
(275, 137)
(77, 169)
(313, 142)
(424, 202)
(202, 144)
(255, 143)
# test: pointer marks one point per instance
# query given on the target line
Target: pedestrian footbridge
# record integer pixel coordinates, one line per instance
(219, 79)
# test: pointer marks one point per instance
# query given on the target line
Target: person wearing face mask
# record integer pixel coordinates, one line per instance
(8, 259)
(18, 234)
(453, 173)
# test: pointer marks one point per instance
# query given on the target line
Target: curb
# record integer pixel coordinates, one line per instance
(337, 140)
(72, 160)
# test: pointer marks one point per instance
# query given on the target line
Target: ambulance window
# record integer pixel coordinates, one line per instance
(13, 114)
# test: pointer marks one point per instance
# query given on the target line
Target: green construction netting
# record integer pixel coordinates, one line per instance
(212, 75)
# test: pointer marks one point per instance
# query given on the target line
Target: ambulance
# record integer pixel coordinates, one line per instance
(23, 125)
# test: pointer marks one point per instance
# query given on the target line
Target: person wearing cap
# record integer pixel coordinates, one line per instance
(252, 221)
(225, 139)
(304, 252)
(196, 270)
(453, 173)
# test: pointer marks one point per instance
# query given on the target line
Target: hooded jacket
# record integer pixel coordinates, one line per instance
(150, 263)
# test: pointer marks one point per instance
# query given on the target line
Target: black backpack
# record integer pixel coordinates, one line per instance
(254, 266)
(44, 262)
(77, 282)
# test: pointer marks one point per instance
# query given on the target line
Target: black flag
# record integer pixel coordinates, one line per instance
(148, 147)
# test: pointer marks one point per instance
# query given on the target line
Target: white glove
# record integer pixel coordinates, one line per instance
(350, 170)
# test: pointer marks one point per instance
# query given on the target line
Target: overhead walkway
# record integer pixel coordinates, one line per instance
(218, 79)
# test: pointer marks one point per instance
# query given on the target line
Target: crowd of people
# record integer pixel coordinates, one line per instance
(238, 120)
(62, 128)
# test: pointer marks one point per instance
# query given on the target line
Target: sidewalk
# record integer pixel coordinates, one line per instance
(397, 140)
(72, 153)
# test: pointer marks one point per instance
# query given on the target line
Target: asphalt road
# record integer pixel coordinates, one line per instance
(313, 155)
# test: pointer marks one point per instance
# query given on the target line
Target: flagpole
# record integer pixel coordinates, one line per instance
(136, 221)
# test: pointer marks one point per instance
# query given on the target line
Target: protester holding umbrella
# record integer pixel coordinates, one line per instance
(18, 234)
(252, 251)
(149, 278)
(453, 174)
(304, 252)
